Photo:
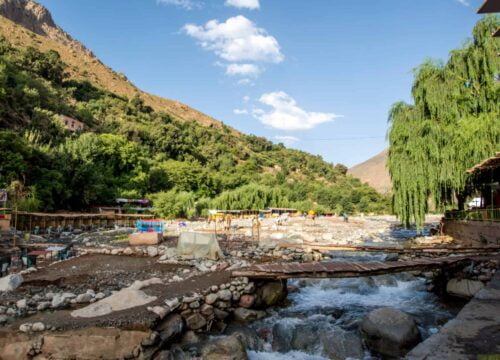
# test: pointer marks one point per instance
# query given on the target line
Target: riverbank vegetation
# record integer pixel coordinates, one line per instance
(129, 150)
(453, 124)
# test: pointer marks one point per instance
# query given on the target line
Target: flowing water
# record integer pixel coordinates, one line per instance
(327, 309)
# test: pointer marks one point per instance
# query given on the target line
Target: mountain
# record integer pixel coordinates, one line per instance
(27, 23)
(374, 172)
(134, 145)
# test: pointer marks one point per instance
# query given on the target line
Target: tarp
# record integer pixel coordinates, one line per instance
(199, 245)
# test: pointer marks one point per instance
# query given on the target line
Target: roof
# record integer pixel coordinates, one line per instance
(489, 6)
(282, 209)
(82, 215)
(490, 163)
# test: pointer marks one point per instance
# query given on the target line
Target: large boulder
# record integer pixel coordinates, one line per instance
(339, 344)
(227, 348)
(464, 287)
(11, 282)
(271, 293)
(170, 328)
(282, 332)
(390, 332)
(248, 336)
(304, 337)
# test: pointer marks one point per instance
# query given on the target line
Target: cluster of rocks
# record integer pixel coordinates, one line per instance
(305, 254)
(239, 299)
(31, 304)
(151, 251)
(461, 283)
(186, 320)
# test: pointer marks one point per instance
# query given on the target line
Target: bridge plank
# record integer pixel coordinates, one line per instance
(347, 268)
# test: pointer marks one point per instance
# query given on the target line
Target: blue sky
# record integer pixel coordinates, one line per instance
(318, 75)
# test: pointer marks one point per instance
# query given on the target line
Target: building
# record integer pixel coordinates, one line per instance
(71, 124)
(479, 225)
(490, 7)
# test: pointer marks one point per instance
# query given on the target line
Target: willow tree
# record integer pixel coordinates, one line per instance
(453, 124)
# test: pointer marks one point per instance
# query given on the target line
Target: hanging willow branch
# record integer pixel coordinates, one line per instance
(453, 124)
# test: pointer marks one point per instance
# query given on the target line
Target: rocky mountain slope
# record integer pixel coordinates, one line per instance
(27, 23)
(374, 172)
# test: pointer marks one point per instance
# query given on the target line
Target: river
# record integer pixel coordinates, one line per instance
(323, 317)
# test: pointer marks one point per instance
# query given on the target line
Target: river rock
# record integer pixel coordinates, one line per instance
(220, 314)
(247, 301)
(170, 328)
(21, 304)
(128, 251)
(152, 251)
(11, 282)
(305, 336)
(464, 288)
(195, 321)
(224, 295)
(390, 332)
(282, 335)
(392, 257)
(25, 327)
(44, 305)
(339, 344)
(207, 310)
(38, 326)
(160, 311)
(242, 314)
(58, 301)
(228, 348)
(211, 299)
(272, 293)
(248, 336)
(84, 298)
(173, 303)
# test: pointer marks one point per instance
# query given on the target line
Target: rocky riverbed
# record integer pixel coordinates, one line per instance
(166, 306)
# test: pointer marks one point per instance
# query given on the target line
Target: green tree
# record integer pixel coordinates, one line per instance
(453, 124)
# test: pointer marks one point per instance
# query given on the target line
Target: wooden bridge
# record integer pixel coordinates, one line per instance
(351, 269)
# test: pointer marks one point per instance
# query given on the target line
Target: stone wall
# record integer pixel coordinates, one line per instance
(473, 233)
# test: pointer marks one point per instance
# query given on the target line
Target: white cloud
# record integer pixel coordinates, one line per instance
(237, 39)
(286, 115)
(246, 99)
(286, 139)
(240, 111)
(243, 70)
(245, 81)
(464, 2)
(247, 4)
(186, 4)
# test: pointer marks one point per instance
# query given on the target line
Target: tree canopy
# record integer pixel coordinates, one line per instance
(453, 124)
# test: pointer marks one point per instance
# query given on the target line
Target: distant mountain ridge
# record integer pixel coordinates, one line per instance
(27, 23)
(374, 172)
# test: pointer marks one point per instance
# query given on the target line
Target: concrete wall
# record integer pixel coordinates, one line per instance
(473, 233)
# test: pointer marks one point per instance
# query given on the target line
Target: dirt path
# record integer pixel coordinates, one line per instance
(138, 318)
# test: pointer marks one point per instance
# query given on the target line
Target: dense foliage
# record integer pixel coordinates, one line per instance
(453, 124)
(129, 150)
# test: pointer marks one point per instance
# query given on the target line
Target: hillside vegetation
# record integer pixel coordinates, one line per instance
(453, 124)
(128, 149)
